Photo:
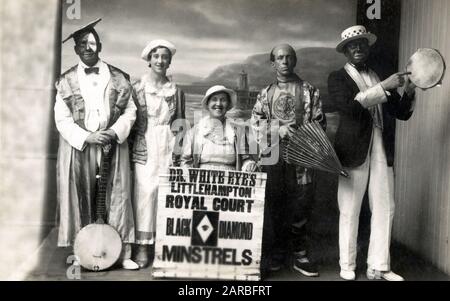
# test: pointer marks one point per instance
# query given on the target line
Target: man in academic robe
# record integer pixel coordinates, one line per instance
(93, 108)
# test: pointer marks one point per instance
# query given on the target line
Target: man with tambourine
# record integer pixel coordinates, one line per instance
(369, 105)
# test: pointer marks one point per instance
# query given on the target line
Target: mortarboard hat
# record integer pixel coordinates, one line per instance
(85, 28)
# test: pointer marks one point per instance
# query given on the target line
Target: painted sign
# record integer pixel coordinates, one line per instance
(210, 224)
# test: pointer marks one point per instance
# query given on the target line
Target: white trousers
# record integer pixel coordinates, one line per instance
(381, 200)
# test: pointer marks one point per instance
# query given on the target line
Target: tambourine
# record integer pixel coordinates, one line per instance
(427, 68)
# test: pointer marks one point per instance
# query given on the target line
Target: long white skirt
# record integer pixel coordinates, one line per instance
(160, 142)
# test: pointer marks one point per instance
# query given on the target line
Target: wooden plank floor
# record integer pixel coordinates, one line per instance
(52, 266)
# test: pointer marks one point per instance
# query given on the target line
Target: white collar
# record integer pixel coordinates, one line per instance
(207, 124)
(99, 80)
(167, 90)
(84, 66)
(102, 67)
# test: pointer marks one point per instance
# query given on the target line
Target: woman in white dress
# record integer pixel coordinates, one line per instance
(215, 143)
(159, 104)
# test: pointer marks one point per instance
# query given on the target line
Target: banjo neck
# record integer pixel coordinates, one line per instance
(102, 183)
(98, 245)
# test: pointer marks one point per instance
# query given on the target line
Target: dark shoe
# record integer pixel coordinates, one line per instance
(142, 263)
(274, 265)
(305, 267)
(141, 257)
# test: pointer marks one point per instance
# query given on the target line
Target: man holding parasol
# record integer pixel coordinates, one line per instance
(281, 107)
(369, 105)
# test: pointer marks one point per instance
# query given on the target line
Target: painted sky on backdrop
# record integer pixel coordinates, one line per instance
(207, 33)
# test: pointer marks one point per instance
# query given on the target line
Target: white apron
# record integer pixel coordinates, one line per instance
(160, 142)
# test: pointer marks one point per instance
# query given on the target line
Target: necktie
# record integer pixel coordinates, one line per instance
(92, 70)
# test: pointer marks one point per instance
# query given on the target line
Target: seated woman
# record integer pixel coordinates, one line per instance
(214, 143)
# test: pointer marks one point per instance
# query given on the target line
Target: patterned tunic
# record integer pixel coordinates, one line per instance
(293, 103)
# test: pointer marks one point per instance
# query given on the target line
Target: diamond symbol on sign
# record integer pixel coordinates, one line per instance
(205, 228)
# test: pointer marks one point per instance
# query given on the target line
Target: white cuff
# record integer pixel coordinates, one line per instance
(79, 141)
(246, 164)
(372, 96)
(120, 133)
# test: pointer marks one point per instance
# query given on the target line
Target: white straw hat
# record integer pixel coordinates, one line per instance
(354, 33)
(157, 43)
(216, 89)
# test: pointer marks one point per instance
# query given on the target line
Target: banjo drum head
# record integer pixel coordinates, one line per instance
(427, 67)
(97, 246)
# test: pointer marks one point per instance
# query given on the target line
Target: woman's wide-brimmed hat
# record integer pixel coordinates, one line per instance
(157, 43)
(354, 33)
(216, 89)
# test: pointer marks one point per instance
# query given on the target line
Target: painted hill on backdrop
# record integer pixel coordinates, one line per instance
(314, 65)
(185, 79)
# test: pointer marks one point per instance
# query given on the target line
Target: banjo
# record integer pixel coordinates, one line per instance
(427, 68)
(98, 245)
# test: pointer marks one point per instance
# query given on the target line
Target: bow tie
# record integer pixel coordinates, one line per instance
(362, 68)
(92, 70)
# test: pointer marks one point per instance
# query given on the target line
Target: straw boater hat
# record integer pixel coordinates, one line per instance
(354, 33)
(157, 43)
(216, 89)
